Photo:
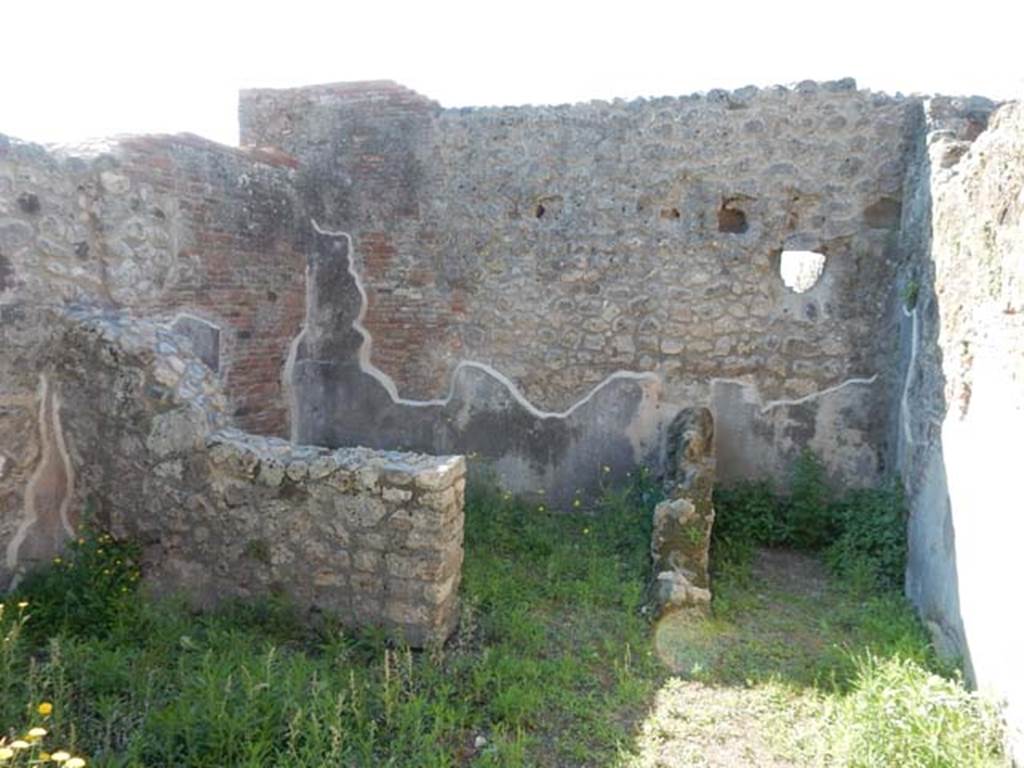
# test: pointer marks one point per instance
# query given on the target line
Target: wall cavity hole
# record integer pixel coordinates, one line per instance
(670, 213)
(539, 211)
(731, 219)
(801, 270)
(6, 274)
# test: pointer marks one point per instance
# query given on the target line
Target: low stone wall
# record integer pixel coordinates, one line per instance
(372, 537)
(103, 412)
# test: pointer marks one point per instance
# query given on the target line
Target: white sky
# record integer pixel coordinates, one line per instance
(72, 70)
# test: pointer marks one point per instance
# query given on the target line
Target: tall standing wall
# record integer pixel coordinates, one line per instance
(515, 263)
(961, 406)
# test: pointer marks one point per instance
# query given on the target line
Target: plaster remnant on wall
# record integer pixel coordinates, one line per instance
(908, 381)
(49, 491)
(560, 457)
(367, 366)
(204, 335)
(821, 393)
(755, 438)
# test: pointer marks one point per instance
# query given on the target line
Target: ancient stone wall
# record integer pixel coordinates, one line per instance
(554, 252)
(961, 406)
(115, 416)
(545, 288)
(171, 227)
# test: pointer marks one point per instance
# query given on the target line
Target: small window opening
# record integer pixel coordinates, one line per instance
(801, 270)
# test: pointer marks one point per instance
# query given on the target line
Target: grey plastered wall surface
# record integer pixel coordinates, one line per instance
(554, 252)
(961, 406)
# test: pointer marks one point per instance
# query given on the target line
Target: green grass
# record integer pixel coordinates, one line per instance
(556, 663)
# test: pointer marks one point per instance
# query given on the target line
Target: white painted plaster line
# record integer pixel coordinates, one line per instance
(908, 433)
(49, 411)
(815, 395)
(288, 388)
(367, 366)
(287, 381)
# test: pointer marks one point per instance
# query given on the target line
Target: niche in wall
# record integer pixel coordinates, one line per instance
(731, 218)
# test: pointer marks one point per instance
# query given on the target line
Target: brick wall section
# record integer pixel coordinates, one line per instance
(161, 225)
(362, 166)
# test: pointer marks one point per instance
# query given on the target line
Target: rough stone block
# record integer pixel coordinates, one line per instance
(681, 536)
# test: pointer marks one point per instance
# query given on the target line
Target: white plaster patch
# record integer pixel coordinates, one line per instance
(51, 438)
(908, 433)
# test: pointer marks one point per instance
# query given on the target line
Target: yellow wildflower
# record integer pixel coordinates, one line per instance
(44, 756)
(36, 733)
(45, 709)
(23, 604)
(6, 753)
(586, 530)
(576, 502)
(75, 762)
(19, 744)
(60, 756)
(606, 468)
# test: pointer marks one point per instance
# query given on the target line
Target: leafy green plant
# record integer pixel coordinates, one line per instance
(911, 290)
(86, 590)
(809, 519)
(750, 511)
(747, 515)
(862, 532)
(870, 549)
